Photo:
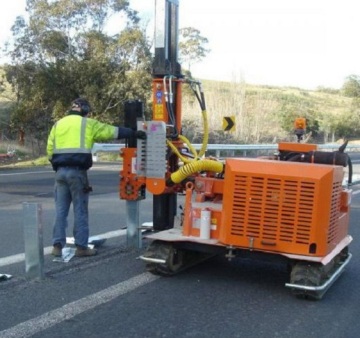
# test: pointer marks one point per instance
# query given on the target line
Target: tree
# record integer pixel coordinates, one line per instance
(63, 52)
(192, 46)
(351, 87)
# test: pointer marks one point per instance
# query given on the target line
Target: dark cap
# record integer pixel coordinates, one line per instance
(83, 104)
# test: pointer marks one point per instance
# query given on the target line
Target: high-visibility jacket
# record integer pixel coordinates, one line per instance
(71, 139)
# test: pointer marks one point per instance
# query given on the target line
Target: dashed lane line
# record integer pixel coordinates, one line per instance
(70, 310)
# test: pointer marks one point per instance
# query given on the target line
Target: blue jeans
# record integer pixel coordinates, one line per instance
(69, 187)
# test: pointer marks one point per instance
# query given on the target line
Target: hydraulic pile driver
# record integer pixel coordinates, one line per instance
(293, 205)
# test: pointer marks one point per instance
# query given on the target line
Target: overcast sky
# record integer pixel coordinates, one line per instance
(301, 43)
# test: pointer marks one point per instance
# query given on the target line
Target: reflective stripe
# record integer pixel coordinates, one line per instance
(54, 139)
(116, 133)
(82, 149)
(72, 151)
(83, 132)
(74, 134)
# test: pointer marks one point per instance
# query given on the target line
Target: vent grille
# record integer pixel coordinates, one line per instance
(334, 212)
(272, 209)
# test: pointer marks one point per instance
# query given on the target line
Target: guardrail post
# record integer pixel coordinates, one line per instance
(33, 236)
(133, 229)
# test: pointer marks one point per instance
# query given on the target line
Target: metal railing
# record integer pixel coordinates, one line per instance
(230, 149)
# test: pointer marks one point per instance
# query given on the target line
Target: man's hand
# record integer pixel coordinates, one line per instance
(140, 135)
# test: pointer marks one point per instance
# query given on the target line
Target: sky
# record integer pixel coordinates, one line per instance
(298, 43)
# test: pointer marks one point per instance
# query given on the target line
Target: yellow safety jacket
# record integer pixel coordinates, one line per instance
(71, 139)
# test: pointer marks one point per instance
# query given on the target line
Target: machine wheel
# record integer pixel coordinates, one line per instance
(307, 274)
(342, 256)
(317, 275)
(176, 259)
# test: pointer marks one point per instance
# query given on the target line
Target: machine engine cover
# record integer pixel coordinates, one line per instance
(283, 207)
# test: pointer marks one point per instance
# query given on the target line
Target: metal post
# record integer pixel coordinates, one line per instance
(33, 235)
(133, 227)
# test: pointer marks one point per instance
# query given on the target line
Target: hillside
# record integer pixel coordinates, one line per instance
(262, 113)
(266, 114)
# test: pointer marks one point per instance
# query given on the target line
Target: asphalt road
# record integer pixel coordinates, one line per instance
(111, 294)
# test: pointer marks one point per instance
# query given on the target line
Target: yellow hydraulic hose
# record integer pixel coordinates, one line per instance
(191, 148)
(206, 134)
(176, 150)
(196, 166)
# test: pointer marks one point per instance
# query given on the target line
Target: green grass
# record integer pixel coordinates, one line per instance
(15, 163)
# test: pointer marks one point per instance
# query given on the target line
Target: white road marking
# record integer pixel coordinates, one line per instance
(70, 310)
(97, 167)
(21, 257)
(26, 173)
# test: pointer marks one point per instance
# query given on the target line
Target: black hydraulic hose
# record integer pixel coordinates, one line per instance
(202, 104)
(169, 104)
(201, 97)
(350, 172)
(294, 157)
(172, 119)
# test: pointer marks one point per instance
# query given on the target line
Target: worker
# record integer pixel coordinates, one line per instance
(69, 150)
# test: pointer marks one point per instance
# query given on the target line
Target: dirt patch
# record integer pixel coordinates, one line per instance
(8, 159)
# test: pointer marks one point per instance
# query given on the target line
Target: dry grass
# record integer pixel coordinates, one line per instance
(257, 108)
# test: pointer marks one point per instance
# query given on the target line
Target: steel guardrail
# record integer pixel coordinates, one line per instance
(115, 147)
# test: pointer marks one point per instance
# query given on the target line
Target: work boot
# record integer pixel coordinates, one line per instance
(57, 250)
(85, 252)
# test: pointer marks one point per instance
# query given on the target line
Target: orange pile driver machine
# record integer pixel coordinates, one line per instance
(294, 205)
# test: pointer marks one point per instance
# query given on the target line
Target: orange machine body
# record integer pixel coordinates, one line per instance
(297, 147)
(160, 90)
(162, 95)
(132, 186)
(273, 206)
